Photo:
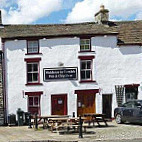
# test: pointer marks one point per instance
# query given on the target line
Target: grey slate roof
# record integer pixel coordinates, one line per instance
(129, 32)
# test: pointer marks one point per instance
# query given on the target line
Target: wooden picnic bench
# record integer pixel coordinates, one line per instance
(66, 124)
(96, 118)
(44, 120)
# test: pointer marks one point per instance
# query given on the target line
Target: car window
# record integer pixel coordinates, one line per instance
(128, 105)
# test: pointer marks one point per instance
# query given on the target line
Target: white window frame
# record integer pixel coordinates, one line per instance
(32, 46)
(34, 105)
(86, 69)
(32, 72)
(82, 45)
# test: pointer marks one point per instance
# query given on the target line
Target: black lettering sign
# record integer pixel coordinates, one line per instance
(60, 74)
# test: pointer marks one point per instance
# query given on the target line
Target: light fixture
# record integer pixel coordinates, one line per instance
(44, 38)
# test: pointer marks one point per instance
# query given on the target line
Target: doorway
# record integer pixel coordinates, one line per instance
(107, 105)
(59, 104)
(85, 104)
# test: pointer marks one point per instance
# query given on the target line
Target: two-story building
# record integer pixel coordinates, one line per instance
(64, 68)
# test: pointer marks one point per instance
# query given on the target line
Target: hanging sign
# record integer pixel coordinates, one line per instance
(64, 73)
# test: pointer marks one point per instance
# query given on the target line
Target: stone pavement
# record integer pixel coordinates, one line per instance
(113, 132)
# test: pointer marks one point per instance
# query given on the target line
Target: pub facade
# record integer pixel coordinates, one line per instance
(67, 69)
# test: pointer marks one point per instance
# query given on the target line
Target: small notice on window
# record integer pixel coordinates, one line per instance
(60, 102)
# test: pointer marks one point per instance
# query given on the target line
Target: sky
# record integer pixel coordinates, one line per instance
(66, 11)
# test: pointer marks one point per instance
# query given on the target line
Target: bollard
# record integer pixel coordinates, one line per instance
(73, 114)
(36, 124)
(80, 127)
(30, 123)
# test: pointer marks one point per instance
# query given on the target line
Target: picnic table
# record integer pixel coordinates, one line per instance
(95, 117)
(45, 119)
(65, 123)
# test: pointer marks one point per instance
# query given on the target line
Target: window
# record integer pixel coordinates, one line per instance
(86, 71)
(33, 46)
(131, 92)
(34, 104)
(34, 101)
(85, 45)
(33, 71)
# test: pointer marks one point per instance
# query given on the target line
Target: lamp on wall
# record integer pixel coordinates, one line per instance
(16, 40)
(44, 38)
(60, 64)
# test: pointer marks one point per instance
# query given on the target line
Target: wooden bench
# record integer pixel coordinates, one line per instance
(68, 127)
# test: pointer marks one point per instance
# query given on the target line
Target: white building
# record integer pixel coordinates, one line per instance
(66, 68)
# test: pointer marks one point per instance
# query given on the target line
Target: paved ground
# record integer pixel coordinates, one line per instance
(114, 132)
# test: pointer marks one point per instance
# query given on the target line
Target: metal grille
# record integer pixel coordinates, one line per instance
(119, 89)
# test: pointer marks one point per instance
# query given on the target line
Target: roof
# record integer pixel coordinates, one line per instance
(129, 32)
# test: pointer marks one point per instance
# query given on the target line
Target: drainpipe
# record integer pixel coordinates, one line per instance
(4, 84)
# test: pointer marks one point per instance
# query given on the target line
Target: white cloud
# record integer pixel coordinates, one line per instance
(28, 11)
(124, 9)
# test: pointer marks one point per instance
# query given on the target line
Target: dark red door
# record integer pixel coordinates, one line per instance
(59, 104)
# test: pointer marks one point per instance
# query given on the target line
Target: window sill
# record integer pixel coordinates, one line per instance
(86, 51)
(87, 81)
(31, 84)
(33, 54)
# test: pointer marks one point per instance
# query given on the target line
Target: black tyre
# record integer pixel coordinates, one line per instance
(118, 118)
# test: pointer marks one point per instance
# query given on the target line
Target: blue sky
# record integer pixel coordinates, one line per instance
(66, 11)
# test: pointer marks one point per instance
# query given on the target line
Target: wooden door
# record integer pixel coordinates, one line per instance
(59, 104)
(107, 105)
(85, 104)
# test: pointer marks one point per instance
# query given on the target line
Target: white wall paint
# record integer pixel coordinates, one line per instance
(113, 65)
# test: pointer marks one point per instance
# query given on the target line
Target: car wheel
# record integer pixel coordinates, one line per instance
(118, 118)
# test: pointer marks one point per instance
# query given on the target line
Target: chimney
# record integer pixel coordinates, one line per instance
(102, 16)
(0, 18)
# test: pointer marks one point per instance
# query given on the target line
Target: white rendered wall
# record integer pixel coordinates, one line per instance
(113, 65)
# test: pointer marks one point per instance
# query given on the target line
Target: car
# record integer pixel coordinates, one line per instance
(130, 111)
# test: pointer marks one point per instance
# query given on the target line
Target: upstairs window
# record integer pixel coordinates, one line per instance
(32, 72)
(86, 70)
(85, 45)
(33, 75)
(32, 46)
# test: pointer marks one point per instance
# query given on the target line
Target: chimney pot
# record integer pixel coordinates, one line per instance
(102, 7)
(102, 16)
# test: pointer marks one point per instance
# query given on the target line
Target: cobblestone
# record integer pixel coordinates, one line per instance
(113, 132)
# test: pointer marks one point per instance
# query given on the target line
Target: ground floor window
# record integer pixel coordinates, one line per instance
(131, 92)
(34, 104)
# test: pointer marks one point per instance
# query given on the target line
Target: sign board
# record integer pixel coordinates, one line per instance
(64, 73)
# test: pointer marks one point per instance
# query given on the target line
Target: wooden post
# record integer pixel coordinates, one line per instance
(30, 124)
(80, 127)
(36, 124)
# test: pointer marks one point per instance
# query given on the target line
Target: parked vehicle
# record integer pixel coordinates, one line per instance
(129, 112)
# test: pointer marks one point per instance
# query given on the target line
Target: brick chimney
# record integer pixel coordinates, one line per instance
(0, 18)
(102, 16)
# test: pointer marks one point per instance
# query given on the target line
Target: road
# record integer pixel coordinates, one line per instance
(134, 140)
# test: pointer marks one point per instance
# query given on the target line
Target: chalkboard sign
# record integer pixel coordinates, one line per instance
(63, 73)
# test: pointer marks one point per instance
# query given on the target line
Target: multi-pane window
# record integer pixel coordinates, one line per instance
(32, 72)
(85, 45)
(34, 104)
(33, 46)
(34, 101)
(86, 70)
